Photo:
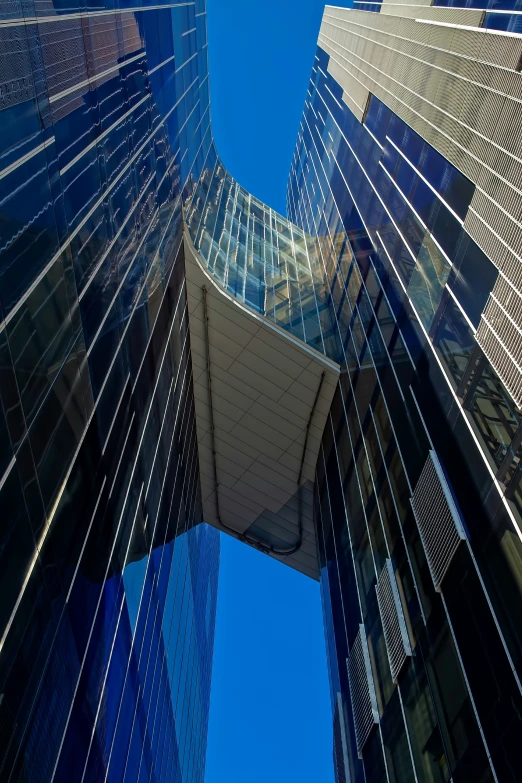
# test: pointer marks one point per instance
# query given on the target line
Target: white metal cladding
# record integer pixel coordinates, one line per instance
(440, 526)
(500, 336)
(393, 621)
(362, 690)
(461, 89)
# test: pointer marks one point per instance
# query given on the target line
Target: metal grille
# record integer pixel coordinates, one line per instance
(63, 53)
(460, 92)
(16, 80)
(500, 336)
(440, 526)
(362, 690)
(393, 621)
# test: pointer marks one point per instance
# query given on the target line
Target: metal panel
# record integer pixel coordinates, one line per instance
(500, 337)
(393, 622)
(362, 690)
(259, 421)
(460, 89)
(440, 526)
(340, 743)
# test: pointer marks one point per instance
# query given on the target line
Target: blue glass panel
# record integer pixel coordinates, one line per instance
(91, 263)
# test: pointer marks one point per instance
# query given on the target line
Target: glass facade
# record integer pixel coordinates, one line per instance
(407, 286)
(108, 587)
(108, 579)
(502, 15)
(260, 257)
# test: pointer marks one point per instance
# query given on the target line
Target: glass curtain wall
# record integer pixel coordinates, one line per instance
(390, 238)
(108, 590)
(260, 257)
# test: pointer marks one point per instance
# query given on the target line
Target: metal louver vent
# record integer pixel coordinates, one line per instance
(393, 621)
(500, 336)
(440, 526)
(362, 690)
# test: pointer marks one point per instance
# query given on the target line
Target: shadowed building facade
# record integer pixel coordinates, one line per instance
(108, 587)
(339, 388)
(407, 170)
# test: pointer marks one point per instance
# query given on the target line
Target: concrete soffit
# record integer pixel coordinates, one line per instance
(271, 394)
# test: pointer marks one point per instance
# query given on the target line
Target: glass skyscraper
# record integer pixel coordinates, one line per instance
(407, 170)
(339, 388)
(108, 587)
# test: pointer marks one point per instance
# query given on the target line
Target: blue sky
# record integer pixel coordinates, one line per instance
(270, 719)
(261, 54)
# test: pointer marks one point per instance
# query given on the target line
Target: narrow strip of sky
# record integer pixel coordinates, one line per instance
(261, 54)
(270, 717)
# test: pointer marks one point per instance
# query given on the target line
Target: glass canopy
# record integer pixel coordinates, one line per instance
(260, 257)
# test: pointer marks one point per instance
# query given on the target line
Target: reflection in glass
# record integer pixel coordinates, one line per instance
(260, 257)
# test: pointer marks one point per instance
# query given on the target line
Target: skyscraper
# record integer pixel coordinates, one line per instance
(407, 170)
(339, 388)
(108, 588)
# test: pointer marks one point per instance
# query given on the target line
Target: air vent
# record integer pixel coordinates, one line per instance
(440, 526)
(362, 690)
(393, 621)
(500, 336)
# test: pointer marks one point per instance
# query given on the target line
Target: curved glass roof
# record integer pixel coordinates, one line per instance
(260, 257)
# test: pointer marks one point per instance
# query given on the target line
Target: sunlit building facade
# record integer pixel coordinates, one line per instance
(407, 170)
(339, 388)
